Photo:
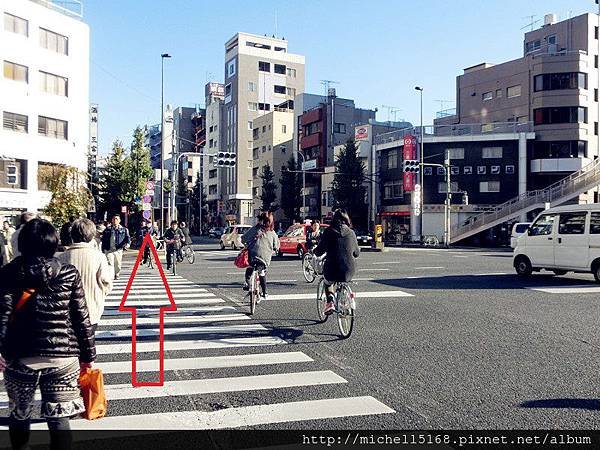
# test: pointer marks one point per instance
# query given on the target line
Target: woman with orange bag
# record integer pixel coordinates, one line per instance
(45, 336)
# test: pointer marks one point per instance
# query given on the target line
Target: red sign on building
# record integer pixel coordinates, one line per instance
(410, 152)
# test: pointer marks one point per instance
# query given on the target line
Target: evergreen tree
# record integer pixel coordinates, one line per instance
(195, 199)
(347, 188)
(112, 182)
(137, 171)
(291, 189)
(70, 196)
(269, 190)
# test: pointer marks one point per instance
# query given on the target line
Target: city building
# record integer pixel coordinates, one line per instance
(211, 182)
(319, 129)
(44, 99)
(272, 146)
(260, 77)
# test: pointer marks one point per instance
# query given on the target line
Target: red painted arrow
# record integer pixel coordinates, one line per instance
(133, 309)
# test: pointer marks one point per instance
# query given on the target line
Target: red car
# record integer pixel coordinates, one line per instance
(293, 240)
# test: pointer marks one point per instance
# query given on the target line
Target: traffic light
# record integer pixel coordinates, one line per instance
(411, 165)
(225, 159)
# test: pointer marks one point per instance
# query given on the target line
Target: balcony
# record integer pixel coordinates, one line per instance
(558, 164)
(311, 116)
(445, 113)
(71, 8)
(310, 141)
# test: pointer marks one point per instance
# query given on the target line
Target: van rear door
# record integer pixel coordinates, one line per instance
(571, 246)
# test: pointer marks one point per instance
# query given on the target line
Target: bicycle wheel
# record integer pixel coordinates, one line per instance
(307, 268)
(321, 300)
(189, 254)
(254, 292)
(345, 311)
(150, 263)
(174, 263)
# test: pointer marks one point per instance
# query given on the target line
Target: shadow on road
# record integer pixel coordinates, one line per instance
(482, 282)
(572, 403)
(295, 331)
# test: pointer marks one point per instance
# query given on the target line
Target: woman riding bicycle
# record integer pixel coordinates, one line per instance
(262, 242)
(340, 244)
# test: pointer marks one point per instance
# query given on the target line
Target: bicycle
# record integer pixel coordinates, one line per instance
(188, 253)
(345, 306)
(175, 255)
(431, 241)
(312, 266)
(255, 291)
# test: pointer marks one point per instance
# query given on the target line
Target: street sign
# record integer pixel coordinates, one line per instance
(124, 209)
(416, 200)
(146, 206)
(146, 214)
(309, 165)
(147, 198)
(150, 185)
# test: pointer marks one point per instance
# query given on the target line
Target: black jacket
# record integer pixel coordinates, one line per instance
(171, 234)
(342, 249)
(122, 238)
(186, 234)
(54, 322)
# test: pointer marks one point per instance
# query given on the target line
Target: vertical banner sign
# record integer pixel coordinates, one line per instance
(410, 152)
(93, 149)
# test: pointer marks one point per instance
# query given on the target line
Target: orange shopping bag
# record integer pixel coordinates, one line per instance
(92, 391)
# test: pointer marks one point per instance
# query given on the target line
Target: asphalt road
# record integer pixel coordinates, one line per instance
(443, 339)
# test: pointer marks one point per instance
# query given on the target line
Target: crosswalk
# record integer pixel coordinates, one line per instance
(206, 333)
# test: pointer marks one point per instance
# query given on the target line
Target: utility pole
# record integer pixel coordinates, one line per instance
(162, 154)
(421, 160)
(448, 200)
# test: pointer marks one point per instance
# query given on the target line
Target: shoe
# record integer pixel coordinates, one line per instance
(246, 286)
(168, 267)
(261, 298)
(116, 277)
(329, 308)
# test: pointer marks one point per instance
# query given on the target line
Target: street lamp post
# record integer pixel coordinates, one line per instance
(303, 186)
(421, 160)
(162, 157)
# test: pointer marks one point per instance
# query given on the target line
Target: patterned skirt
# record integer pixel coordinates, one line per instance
(59, 387)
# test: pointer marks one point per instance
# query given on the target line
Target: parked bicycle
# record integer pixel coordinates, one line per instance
(345, 306)
(312, 266)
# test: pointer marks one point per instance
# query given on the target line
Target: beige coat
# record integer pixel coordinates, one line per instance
(96, 275)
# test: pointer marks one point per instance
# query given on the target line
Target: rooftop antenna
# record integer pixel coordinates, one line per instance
(391, 110)
(531, 21)
(326, 84)
(275, 23)
(442, 103)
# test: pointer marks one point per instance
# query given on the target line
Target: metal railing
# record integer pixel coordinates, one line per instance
(575, 183)
(471, 129)
(445, 113)
(72, 8)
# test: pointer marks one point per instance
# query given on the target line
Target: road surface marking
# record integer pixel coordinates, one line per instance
(430, 267)
(370, 294)
(373, 270)
(154, 311)
(578, 289)
(138, 302)
(179, 331)
(177, 319)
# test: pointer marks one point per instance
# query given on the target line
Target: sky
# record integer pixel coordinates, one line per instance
(377, 51)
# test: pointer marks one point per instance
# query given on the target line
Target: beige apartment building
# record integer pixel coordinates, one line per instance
(272, 145)
(260, 77)
(553, 87)
(214, 94)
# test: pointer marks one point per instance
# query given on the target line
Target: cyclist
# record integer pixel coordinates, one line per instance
(186, 233)
(340, 244)
(262, 243)
(173, 238)
(147, 228)
(313, 236)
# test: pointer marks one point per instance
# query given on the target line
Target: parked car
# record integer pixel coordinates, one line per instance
(232, 236)
(216, 232)
(363, 237)
(293, 240)
(563, 239)
(518, 229)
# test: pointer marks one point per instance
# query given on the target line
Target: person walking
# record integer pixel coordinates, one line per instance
(6, 235)
(115, 239)
(23, 219)
(262, 243)
(339, 243)
(46, 337)
(96, 275)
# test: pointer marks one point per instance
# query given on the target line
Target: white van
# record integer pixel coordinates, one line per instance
(232, 236)
(562, 239)
(518, 229)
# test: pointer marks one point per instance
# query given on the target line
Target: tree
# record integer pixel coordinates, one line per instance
(269, 190)
(112, 181)
(137, 171)
(195, 199)
(291, 186)
(70, 196)
(347, 188)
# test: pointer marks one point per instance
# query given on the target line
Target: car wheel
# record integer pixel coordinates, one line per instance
(596, 271)
(523, 266)
(559, 272)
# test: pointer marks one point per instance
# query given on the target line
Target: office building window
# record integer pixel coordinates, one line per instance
(595, 94)
(533, 46)
(392, 159)
(54, 84)
(339, 128)
(279, 68)
(393, 189)
(513, 91)
(264, 107)
(596, 61)
(443, 187)
(264, 129)
(13, 174)
(252, 106)
(595, 32)
(250, 184)
(566, 114)
(456, 153)
(16, 24)
(291, 91)
(15, 122)
(249, 125)
(489, 186)
(264, 66)
(255, 134)
(283, 129)
(596, 128)
(554, 81)
(491, 152)
(487, 96)
(279, 89)
(498, 93)
(228, 89)
(54, 41)
(53, 128)
(251, 86)
(249, 146)
(231, 68)
(291, 72)
(17, 72)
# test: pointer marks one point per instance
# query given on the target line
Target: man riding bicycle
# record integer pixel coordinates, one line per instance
(147, 228)
(313, 236)
(262, 243)
(340, 244)
(173, 238)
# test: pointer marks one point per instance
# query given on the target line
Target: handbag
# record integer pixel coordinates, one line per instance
(92, 390)
(242, 260)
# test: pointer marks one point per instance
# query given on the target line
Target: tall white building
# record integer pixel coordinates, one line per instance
(44, 98)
